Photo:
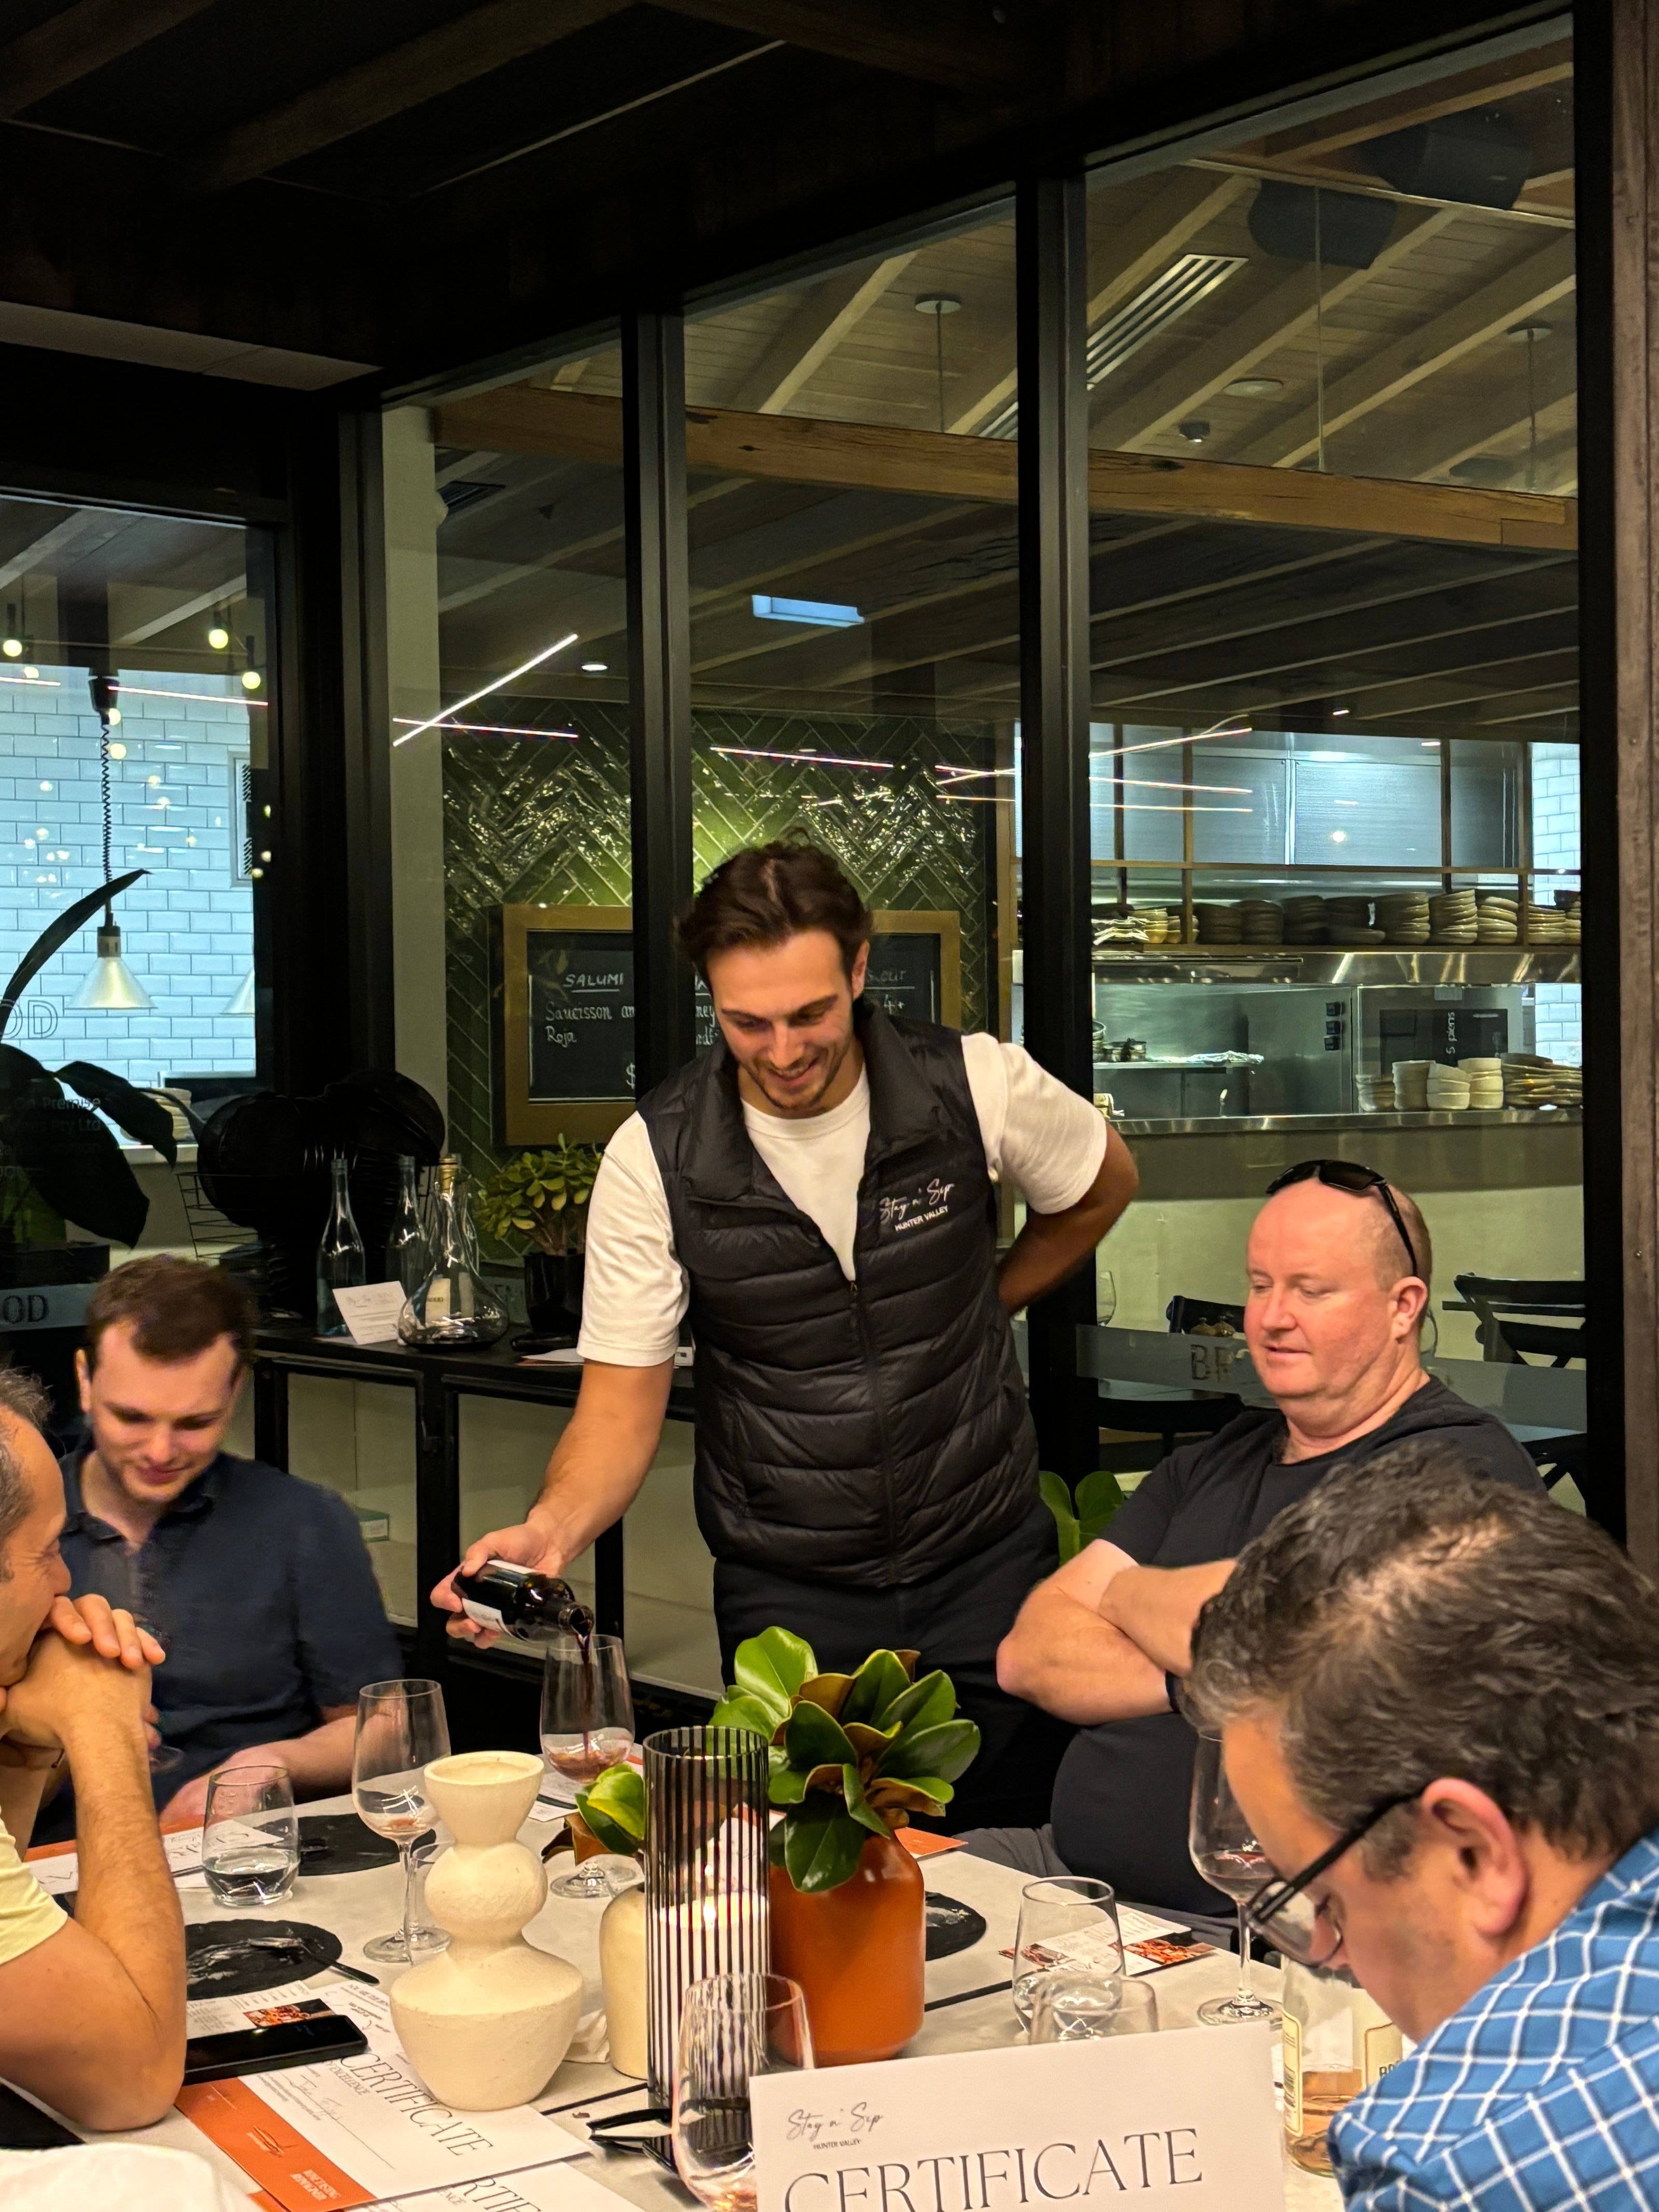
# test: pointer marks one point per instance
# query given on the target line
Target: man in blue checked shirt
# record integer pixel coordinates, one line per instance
(1439, 1700)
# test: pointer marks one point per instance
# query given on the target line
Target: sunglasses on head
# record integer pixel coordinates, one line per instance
(1356, 1179)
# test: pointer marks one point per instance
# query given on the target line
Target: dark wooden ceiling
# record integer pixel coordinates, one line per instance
(421, 183)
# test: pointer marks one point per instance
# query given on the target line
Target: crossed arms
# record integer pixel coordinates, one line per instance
(1094, 1642)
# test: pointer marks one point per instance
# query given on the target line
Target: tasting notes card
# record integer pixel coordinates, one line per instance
(1181, 2119)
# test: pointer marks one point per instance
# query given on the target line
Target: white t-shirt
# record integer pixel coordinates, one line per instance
(1044, 1139)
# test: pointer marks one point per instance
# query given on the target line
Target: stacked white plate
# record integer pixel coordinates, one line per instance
(1485, 1082)
(1545, 924)
(1448, 1089)
(1410, 1079)
(1376, 1094)
(1304, 920)
(1496, 920)
(1218, 924)
(1262, 921)
(1453, 917)
(1405, 916)
(1528, 1080)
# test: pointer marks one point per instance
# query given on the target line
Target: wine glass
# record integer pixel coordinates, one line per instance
(251, 1835)
(732, 2026)
(1070, 2007)
(1070, 1922)
(1105, 1296)
(401, 1729)
(587, 1724)
(1225, 1852)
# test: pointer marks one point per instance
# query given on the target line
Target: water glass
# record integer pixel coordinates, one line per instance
(1070, 1921)
(1072, 2008)
(401, 1729)
(251, 1835)
(1224, 1849)
(732, 2026)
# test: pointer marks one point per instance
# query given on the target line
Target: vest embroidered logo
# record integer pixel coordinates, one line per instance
(930, 1203)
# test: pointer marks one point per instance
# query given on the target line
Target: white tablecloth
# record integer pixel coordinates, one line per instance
(358, 1906)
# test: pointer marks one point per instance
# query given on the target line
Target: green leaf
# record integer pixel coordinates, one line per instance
(56, 934)
(1098, 1496)
(145, 1120)
(829, 1691)
(812, 1738)
(925, 1793)
(867, 1742)
(77, 1167)
(743, 1712)
(18, 1071)
(613, 1806)
(924, 1703)
(1057, 1499)
(860, 1806)
(946, 1751)
(822, 1845)
(772, 1666)
(880, 1680)
(786, 1784)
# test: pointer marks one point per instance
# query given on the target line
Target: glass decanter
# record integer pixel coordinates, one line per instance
(453, 1305)
(340, 1262)
(406, 1248)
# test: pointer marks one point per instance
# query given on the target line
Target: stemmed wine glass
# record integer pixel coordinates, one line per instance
(587, 1724)
(401, 1729)
(732, 2026)
(1226, 1853)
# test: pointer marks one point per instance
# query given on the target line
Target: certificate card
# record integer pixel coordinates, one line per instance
(1184, 2119)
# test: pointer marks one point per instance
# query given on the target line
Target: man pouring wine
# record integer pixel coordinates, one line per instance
(815, 1195)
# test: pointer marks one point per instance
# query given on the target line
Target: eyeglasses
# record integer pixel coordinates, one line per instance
(1283, 1915)
(1356, 1179)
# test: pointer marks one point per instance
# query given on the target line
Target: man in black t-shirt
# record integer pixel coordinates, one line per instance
(1339, 1280)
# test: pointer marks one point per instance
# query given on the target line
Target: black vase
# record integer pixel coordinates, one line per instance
(553, 1291)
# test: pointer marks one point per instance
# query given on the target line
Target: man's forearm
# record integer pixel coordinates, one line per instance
(1157, 1608)
(1052, 1246)
(600, 1462)
(1061, 1656)
(127, 1896)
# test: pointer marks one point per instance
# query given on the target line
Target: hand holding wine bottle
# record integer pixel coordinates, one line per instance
(532, 1545)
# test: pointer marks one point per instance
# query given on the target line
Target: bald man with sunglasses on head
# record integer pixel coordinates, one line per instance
(1338, 1263)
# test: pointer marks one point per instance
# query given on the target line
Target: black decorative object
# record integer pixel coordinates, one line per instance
(952, 1926)
(235, 1958)
(339, 1843)
(553, 1291)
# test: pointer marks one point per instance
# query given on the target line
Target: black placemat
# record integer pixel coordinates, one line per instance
(952, 1926)
(235, 1958)
(339, 1842)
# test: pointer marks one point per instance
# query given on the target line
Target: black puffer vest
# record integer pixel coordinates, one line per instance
(871, 1433)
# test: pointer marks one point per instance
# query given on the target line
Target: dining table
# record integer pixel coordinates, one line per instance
(970, 2006)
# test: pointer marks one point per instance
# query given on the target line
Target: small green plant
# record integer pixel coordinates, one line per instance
(542, 1197)
(852, 1756)
(612, 1806)
(1080, 1520)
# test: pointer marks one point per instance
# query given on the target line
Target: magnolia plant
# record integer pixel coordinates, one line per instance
(852, 1756)
(541, 1196)
(612, 1808)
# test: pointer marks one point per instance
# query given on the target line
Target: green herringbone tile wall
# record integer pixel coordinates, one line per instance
(529, 820)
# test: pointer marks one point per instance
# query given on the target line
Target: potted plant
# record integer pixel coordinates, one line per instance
(1078, 1521)
(542, 1197)
(853, 1758)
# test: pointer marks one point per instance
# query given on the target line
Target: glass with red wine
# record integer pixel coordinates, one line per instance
(1226, 1853)
(587, 1724)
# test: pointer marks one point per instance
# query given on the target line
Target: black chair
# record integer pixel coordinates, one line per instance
(1496, 1301)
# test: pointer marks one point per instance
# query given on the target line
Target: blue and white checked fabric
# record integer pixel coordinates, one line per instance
(1541, 2094)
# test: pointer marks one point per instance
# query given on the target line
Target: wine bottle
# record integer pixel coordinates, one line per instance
(340, 1261)
(406, 1246)
(1337, 2041)
(501, 1596)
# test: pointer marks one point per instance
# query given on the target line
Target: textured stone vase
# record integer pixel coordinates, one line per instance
(486, 2022)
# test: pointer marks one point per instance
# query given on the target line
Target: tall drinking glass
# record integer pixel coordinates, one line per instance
(1068, 1921)
(1225, 1852)
(587, 1724)
(732, 2026)
(401, 1729)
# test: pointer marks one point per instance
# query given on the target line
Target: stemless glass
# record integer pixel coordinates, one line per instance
(732, 2026)
(401, 1729)
(1070, 1921)
(1225, 1852)
(587, 1724)
(1105, 1296)
(250, 1835)
(1070, 2007)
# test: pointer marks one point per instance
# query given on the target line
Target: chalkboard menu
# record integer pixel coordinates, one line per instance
(904, 976)
(580, 1013)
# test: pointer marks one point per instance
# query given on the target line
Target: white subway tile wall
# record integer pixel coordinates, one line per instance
(1557, 1029)
(187, 928)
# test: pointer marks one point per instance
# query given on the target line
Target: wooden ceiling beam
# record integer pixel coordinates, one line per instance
(78, 40)
(811, 334)
(1516, 296)
(926, 39)
(458, 53)
(868, 457)
(1486, 86)
(1251, 338)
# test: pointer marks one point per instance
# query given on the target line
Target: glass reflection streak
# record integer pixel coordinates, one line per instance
(705, 1873)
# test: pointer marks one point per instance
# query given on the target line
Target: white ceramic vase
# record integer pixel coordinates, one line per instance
(488, 2022)
(622, 1969)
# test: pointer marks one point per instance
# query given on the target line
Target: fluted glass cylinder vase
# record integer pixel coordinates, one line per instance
(705, 1873)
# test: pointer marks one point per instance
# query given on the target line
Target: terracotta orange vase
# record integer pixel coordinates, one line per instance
(858, 1953)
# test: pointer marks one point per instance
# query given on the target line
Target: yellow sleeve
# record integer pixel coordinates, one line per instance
(28, 1915)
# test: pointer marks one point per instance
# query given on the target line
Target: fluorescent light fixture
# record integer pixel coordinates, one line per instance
(486, 729)
(523, 668)
(825, 614)
(811, 760)
(201, 698)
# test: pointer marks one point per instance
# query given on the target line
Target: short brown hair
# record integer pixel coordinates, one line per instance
(766, 894)
(177, 1309)
(25, 1399)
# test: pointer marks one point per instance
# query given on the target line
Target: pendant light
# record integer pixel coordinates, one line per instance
(240, 1003)
(111, 987)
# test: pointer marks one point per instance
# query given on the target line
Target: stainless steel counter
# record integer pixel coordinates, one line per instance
(1247, 1125)
(1438, 965)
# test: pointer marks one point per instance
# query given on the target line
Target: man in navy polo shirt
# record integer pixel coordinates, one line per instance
(257, 1584)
